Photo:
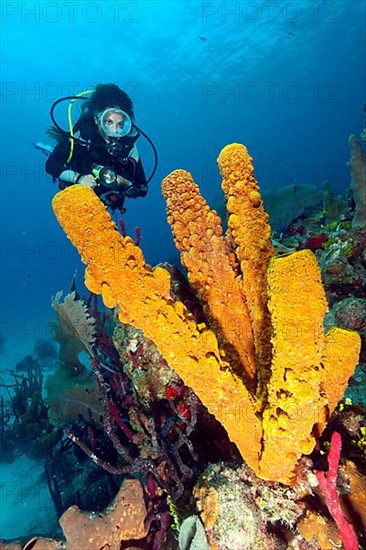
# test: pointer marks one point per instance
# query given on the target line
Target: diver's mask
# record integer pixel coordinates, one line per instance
(114, 123)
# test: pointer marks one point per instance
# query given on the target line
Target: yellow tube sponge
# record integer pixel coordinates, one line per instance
(117, 270)
(198, 236)
(251, 233)
(297, 304)
(342, 349)
(303, 372)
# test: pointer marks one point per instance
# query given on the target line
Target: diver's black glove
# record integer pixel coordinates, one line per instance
(143, 190)
(132, 192)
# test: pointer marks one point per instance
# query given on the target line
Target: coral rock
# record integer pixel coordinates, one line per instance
(317, 529)
(354, 502)
(357, 165)
(122, 520)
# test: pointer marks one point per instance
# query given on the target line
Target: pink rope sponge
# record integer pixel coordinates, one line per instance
(328, 484)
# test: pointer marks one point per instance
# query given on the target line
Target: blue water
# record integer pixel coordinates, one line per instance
(287, 79)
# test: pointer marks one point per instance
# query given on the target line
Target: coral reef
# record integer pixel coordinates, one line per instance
(350, 314)
(138, 355)
(262, 428)
(246, 336)
(237, 508)
(342, 259)
(231, 529)
(190, 349)
(357, 166)
(146, 416)
(26, 426)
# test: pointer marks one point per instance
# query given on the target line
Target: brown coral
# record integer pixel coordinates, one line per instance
(123, 520)
(317, 529)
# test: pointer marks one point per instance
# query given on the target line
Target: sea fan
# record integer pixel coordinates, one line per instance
(75, 322)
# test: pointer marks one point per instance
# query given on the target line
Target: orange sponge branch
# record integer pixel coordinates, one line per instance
(199, 237)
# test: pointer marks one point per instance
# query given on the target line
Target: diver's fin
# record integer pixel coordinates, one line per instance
(46, 149)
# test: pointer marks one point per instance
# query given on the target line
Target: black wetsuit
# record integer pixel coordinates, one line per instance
(126, 164)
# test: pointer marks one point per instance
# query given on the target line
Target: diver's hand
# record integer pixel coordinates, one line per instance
(129, 190)
(88, 180)
(123, 183)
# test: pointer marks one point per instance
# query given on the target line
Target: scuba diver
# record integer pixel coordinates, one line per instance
(100, 150)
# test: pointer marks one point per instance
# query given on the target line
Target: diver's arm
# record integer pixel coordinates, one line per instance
(56, 162)
(70, 177)
(56, 166)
